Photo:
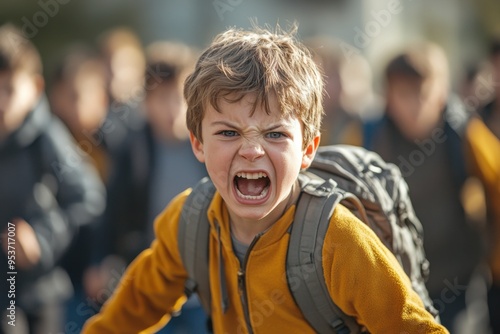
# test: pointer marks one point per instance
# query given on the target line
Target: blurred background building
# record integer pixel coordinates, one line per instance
(462, 27)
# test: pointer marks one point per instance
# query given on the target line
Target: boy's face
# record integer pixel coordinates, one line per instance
(415, 105)
(166, 111)
(81, 102)
(253, 160)
(125, 71)
(19, 92)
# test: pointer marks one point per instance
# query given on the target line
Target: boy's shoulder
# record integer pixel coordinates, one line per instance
(343, 220)
(36, 124)
(53, 149)
(170, 215)
(52, 139)
(346, 229)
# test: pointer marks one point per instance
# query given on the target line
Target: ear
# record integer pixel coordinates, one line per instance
(310, 152)
(197, 147)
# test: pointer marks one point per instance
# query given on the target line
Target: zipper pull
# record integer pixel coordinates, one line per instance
(241, 280)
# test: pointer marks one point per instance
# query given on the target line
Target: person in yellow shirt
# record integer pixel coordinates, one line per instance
(483, 147)
(254, 114)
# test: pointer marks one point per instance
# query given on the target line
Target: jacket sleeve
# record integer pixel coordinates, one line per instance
(366, 281)
(71, 194)
(153, 285)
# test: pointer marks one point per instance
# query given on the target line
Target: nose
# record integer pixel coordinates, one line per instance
(251, 149)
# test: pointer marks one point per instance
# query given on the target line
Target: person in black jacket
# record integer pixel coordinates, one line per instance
(422, 131)
(48, 191)
(157, 164)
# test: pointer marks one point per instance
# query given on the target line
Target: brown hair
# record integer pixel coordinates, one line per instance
(262, 62)
(79, 59)
(17, 52)
(168, 62)
(420, 61)
(118, 38)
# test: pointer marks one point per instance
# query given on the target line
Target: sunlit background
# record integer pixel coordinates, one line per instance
(374, 30)
(462, 27)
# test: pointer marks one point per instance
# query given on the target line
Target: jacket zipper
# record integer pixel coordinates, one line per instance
(242, 284)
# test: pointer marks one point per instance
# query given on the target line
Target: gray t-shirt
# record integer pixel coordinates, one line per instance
(240, 249)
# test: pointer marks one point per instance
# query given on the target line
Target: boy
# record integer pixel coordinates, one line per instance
(254, 113)
(427, 132)
(168, 160)
(47, 192)
(78, 96)
(173, 166)
(348, 91)
(123, 56)
(490, 113)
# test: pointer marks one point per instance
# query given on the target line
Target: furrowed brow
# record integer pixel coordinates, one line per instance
(223, 123)
(270, 128)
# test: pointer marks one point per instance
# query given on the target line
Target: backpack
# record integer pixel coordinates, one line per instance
(372, 189)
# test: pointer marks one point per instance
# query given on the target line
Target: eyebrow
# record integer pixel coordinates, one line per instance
(270, 128)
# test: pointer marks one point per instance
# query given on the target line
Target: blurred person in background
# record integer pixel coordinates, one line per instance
(123, 55)
(49, 191)
(474, 88)
(348, 93)
(426, 131)
(122, 235)
(78, 96)
(490, 113)
(158, 164)
(98, 95)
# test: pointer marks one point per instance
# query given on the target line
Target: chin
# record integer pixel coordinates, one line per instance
(254, 214)
(251, 210)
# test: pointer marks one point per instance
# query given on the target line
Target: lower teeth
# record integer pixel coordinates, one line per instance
(262, 195)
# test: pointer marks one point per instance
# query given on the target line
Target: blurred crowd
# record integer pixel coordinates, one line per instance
(91, 153)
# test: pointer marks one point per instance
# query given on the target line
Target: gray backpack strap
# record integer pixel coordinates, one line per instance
(193, 236)
(304, 259)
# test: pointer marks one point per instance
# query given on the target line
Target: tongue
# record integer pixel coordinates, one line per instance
(251, 187)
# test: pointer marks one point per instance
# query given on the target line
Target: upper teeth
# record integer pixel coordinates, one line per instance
(251, 175)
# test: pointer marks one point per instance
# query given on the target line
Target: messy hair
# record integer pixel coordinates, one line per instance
(262, 62)
(17, 52)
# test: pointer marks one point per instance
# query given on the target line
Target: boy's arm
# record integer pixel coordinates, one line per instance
(152, 286)
(366, 281)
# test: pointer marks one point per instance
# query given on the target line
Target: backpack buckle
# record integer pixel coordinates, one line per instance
(190, 287)
(340, 327)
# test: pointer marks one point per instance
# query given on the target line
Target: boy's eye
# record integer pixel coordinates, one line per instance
(275, 135)
(228, 133)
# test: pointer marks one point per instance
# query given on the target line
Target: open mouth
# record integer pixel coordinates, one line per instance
(252, 186)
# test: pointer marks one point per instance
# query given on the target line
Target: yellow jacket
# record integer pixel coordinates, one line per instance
(484, 148)
(364, 279)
